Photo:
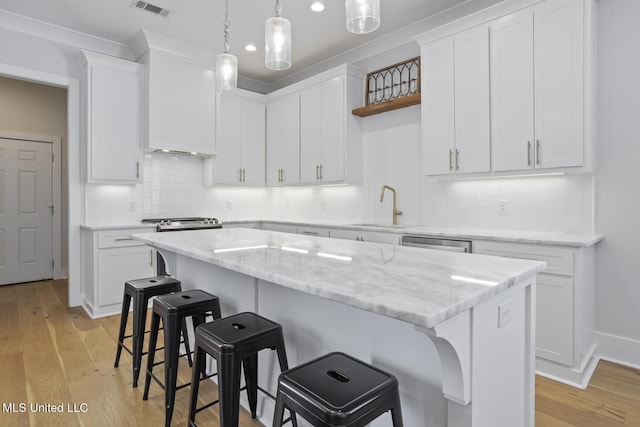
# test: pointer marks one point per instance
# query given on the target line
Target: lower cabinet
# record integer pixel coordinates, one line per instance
(112, 258)
(365, 236)
(565, 323)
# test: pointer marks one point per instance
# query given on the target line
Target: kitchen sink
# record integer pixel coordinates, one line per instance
(382, 225)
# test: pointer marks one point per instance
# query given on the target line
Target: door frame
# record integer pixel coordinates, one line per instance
(58, 271)
(76, 190)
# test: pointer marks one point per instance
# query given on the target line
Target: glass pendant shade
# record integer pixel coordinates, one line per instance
(226, 71)
(363, 16)
(277, 50)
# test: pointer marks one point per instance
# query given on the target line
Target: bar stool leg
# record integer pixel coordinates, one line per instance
(199, 357)
(250, 364)
(153, 339)
(171, 351)
(229, 390)
(124, 315)
(278, 412)
(187, 347)
(396, 413)
(139, 320)
(284, 365)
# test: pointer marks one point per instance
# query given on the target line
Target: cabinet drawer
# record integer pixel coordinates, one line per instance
(313, 231)
(559, 260)
(121, 237)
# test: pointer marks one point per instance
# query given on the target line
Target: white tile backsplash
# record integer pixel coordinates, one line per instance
(173, 186)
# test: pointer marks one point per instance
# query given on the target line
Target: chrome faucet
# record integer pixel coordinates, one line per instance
(396, 212)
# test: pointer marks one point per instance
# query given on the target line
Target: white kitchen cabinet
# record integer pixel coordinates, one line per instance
(565, 324)
(283, 141)
(112, 118)
(283, 228)
(455, 104)
(330, 136)
(112, 258)
(180, 103)
(313, 231)
(364, 236)
(240, 139)
(537, 87)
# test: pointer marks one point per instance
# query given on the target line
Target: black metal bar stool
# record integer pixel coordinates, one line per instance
(337, 390)
(234, 342)
(141, 291)
(174, 309)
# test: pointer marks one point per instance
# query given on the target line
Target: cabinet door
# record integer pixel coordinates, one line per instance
(228, 140)
(554, 318)
(438, 108)
(116, 266)
(472, 118)
(114, 123)
(181, 103)
(559, 104)
(512, 127)
(253, 145)
(283, 141)
(333, 116)
(310, 134)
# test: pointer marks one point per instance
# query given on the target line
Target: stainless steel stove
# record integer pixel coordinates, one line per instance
(181, 224)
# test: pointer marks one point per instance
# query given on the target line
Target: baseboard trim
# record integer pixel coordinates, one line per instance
(620, 350)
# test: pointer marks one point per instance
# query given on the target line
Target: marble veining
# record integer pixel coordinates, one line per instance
(420, 286)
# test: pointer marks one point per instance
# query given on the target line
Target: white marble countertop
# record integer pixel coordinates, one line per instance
(419, 286)
(116, 226)
(516, 236)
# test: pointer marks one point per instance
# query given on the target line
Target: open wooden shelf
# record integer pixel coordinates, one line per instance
(382, 107)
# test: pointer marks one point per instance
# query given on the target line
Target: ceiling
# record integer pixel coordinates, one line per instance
(316, 36)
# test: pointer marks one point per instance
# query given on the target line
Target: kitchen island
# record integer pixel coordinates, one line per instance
(456, 329)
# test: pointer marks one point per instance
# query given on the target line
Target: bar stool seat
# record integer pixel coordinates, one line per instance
(337, 390)
(173, 309)
(141, 291)
(235, 341)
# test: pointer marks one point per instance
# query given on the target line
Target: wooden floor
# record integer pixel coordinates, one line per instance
(51, 354)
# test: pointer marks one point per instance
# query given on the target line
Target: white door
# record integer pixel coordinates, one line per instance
(253, 143)
(333, 113)
(229, 138)
(26, 217)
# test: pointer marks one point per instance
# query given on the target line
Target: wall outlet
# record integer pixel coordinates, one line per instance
(505, 313)
(503, 206)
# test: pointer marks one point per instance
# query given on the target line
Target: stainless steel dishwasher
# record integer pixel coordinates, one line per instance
(439, 244)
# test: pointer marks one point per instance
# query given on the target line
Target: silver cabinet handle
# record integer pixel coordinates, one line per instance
(240, 174)
(317, 172)
(537, 151)
(310, 233)
(122, 239)
(151, 257)
(244, 175)
(450, 160)
(321, 171)
(137, 169)
(528, 153)
(457, 159)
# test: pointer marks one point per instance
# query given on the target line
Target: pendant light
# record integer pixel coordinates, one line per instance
(363, 16)
(277, 38)
(226, 63)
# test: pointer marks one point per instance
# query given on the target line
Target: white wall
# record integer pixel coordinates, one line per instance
(618, 203)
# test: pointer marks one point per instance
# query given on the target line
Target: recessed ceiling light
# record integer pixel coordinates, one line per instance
(250, 47)
(317, 6)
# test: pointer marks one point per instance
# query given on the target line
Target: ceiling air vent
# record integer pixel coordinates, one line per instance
(149, 7)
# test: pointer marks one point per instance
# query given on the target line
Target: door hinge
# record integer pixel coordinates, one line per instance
(53, 263)
(52, 209)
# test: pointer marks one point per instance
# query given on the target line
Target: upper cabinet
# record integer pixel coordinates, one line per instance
(180, 104)
(330, 138)
(537, 63)
(510, 89)
(240, 141)
(455, 112)
(283, 140)
(112, 119)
